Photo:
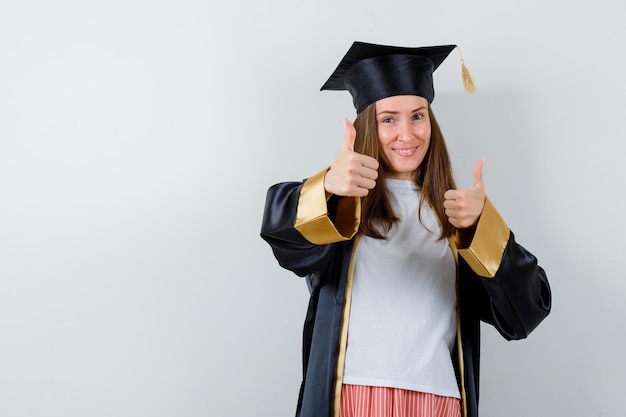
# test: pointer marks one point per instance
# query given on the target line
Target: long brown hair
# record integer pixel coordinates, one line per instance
(433, 176)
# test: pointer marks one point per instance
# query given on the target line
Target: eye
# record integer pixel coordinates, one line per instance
(387, 120)
(418, 116)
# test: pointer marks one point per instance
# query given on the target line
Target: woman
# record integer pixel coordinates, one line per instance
(401, 266)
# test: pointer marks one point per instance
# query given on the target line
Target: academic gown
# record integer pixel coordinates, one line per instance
(499, 282)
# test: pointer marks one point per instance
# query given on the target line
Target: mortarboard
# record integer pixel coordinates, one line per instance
(372, 72)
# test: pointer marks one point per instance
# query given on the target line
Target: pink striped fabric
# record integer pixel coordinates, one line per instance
(362, 401)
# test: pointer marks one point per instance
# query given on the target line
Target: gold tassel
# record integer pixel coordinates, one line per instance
(468, 82)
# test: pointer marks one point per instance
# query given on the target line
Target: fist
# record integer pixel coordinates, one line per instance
(464, 207)
(352, 174)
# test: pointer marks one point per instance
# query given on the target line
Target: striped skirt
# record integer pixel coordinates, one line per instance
(362, 401)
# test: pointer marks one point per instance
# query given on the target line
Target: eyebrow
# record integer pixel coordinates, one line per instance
(397, 112)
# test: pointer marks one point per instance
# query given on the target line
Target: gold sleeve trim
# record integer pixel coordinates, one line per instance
(459, 341)
(484, 253)
(343, 335)
(312, 219)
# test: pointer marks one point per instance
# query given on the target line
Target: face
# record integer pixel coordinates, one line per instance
(403, 133)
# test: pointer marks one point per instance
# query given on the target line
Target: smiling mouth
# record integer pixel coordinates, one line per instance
(405, 151)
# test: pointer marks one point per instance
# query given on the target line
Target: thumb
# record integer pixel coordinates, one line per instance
(348, 142)
(478, 174)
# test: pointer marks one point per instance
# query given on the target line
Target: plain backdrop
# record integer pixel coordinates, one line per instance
(138, 139)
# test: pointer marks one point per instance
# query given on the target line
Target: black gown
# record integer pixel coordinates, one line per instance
(499, 282)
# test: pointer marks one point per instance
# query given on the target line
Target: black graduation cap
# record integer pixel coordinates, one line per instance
(372, 72)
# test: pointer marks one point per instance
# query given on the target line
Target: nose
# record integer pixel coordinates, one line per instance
(404, 132)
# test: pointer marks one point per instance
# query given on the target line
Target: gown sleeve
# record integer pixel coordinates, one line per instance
(300, 224)
(500, 280)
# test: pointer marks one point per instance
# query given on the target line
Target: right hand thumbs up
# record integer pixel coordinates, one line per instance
(348, 141)
(352, 174)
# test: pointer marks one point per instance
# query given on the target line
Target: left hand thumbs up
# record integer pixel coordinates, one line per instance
(464, 207)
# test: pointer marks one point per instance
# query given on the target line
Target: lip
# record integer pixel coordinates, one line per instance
(405, 152)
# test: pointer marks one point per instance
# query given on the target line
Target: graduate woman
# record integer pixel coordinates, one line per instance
(401, 266)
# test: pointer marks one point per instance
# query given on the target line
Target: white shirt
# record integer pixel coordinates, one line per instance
(403, 313)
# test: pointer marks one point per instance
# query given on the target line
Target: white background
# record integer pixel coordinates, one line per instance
(138, 138)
